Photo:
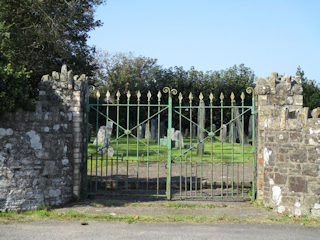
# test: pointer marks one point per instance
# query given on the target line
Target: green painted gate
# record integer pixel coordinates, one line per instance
(140, 152)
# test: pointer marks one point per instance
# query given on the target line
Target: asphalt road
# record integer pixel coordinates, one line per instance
(49, 230)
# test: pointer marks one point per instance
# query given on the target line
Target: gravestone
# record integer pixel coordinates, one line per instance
(143, 130)
(250, 128)
(154, 129)
(238, 121)
(214, 127)
(147, 131)
(180, 139)
(139, 131)
(200, 128)
(194, 131)
(235, 133)
(223, 133)
(103, 137)
(186, 133)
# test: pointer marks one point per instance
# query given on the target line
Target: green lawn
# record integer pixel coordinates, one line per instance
(213, 152)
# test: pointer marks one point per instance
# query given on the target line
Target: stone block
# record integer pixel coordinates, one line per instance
(310, 170)
(280, 178)
(298, 184)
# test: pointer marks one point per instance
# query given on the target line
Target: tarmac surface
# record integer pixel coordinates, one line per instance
(51, 230)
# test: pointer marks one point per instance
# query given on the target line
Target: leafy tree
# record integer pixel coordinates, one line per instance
(44, 34)
(311, 90)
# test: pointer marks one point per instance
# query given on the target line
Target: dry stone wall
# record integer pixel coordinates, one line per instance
(40, 151)
(288, 147)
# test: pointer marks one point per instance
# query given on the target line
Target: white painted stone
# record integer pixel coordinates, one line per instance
(297, 212)
(312, 142)
(56, 127)
(9, 132)
(312, 131)
(281, 209)
(65, 125)
(297, 204)
(271, 182)
(34, 140)
(46, 129)
(280, 136)
(65, 161)
(65, 149)
(42, 93)
(316, 206)
(266, 155)
(276, 194)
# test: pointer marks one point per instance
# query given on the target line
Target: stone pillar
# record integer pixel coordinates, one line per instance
(288, 147)
(79, 115)
(276, 96)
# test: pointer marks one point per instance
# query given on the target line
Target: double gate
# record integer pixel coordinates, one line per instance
(181, 149)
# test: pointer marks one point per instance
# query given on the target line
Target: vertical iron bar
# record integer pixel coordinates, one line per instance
(138, 134)
(169, 145)
(158, 154)
(117, 158)
(107, 124)
(242, 146)
(221, 121)
(253, 146)
(212, 137)
(232, 137)
(148, 142)
(128, 130)
(190, 102)
(180, 135)
(97, 130)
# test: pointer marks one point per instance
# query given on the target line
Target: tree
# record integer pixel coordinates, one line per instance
(311, 90)
(44, 34)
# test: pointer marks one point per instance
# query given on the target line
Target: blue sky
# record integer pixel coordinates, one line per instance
(267, 36)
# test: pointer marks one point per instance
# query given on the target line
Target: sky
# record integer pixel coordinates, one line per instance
(266, 35)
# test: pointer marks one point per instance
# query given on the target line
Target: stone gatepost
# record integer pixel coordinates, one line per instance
(288, 147)
(41, 151)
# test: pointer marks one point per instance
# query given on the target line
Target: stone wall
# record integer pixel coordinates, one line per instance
(288, 147)
(40, 151)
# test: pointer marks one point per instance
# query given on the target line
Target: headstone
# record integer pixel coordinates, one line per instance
(139, 131)
(143, 130)
(223, 133)
(179, 139)
(201, 126)
(186, 133)
(235, 133)
(103, 137)
(174, 137)
(214, 127)
(194, 131)
(147, 134)
(250, 128)
(238, 123)
(154, 129)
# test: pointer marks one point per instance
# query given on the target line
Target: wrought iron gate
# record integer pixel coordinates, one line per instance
(136, 161)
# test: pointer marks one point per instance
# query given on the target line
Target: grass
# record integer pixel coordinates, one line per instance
(45, 214)
(175, 205)
(212, 153)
